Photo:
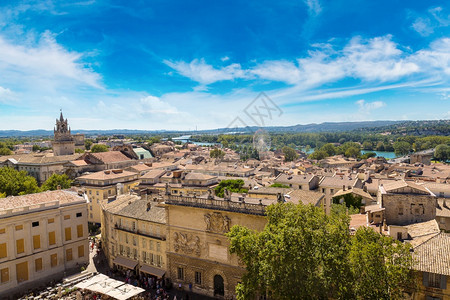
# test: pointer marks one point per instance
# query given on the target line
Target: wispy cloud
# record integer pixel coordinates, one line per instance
(44, 63)
(427, 23)
(367, 107)
(314, 7)
(198, 70)
(377, 59)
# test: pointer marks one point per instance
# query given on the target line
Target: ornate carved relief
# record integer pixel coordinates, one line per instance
(216, 222)
(187, 243)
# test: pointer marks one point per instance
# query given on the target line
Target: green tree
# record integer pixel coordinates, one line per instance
(56, 180)
(233, 185)
(380, 146)
(442, 152)
(381, 266)
(289, 153)
(5, 151)
(13, 182)
(99, 148)
(88, 144)
(401, 148)
(301, 254)
(77, 150)
(329, 149)
(216, 153)
(352, 152)
(368, 155)
(367, 145)
(318, 155)
(279, 185)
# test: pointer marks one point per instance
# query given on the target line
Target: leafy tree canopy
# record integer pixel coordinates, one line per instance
(5, 151)
(401, 148)
(302, 253)
(233, 185)
(216, 153)
(280, 185)
(14, 183)
(289, 153)
(99, 148)
(56, 180)
(442, 152)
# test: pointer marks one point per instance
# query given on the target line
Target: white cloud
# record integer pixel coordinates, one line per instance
(426, 24)
(436, 57)
(201, 72)
(154, 105)
(280, 70)
(44, 61)
(423, 26)
(376, 59)
(225, 58)
(368, 107)
(314, 7)
(5, 95)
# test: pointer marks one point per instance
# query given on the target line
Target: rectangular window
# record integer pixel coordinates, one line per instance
(79, 215)
(69, 254)
(51, 220)
(20, 246)
(434, 280)
(51, 238)
(158, 260)
(19, 227)
(54, 260)
(36, 241)
(400, 211)
(80, 230)
(128, 251)
(3, 250)
(22, 272)
(66, 217)
(144, 256)
(158, 247)
(144, 243)
(68, 233)
(35, 224)
(151, 245)
(4, 275)
(198, 278)
(38, 264)
(121, 249)
(180, 273)
(81, 251)
(134, 241)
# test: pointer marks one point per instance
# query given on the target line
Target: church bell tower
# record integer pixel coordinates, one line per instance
(63, 143)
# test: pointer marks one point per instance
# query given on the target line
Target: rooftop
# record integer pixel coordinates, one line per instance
(433, 256)
(106, 175)
(64, 197)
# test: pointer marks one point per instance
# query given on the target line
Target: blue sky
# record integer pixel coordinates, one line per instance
(198, 64)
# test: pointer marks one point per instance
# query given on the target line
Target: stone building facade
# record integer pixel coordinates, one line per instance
(42, 236)
(197, 251)
(406, 203)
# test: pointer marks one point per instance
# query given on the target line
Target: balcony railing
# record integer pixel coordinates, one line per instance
(234, 206)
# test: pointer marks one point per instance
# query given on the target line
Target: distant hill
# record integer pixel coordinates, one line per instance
(432, 127)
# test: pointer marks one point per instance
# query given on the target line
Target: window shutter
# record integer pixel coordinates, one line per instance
(443, 282)
(425, 279)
